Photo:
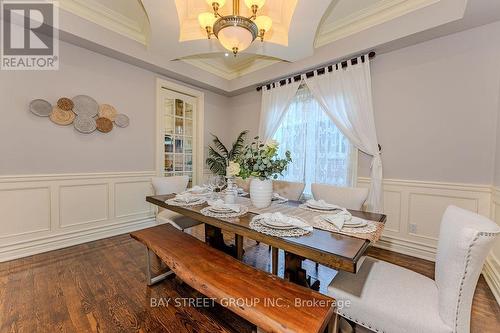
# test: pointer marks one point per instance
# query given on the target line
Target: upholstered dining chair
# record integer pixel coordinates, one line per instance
(387, 298)
(168, 185)
(289, 190)
(347, 197)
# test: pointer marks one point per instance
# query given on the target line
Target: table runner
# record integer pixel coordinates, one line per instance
(310, 217)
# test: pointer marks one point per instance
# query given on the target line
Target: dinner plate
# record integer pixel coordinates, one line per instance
(322, 207)
(356, 222)
(276, 224)
(220, 210)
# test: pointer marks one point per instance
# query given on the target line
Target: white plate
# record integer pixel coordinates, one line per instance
(222, 210)
(356, 222)
(328, 208)
(276, 224)
(188, 201)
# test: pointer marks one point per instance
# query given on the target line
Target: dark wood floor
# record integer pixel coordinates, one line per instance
(100, 287)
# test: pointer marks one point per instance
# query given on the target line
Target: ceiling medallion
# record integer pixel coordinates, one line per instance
(235, 32)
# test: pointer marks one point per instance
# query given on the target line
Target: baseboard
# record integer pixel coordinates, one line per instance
(491, 273)
(67, 240)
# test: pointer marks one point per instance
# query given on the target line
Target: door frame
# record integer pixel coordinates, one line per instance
(198, 147)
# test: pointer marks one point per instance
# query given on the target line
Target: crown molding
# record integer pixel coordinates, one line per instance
(101, 15)
(381, 12)
(245, 67)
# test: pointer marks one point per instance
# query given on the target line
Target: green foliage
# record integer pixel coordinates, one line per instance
(219, 156)
(261, 160)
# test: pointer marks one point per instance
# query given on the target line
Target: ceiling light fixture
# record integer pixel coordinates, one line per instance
(235, 32)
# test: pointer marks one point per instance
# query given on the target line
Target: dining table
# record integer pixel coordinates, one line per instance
(332, 249)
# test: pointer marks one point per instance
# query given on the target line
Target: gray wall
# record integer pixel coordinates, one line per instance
(436, 106)
(33, 145)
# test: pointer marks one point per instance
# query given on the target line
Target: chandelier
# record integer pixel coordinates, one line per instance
(235, 32)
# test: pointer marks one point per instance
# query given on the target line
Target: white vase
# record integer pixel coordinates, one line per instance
(261, 192)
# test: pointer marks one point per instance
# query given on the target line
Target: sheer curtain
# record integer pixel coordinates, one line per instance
(320, 152)
(275, 102)
(346, 96)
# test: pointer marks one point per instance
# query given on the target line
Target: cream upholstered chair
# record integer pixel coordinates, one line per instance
(347, 197)
(388, 298)
(289, 190)
(168, 185)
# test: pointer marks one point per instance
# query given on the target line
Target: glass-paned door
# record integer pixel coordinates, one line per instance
(179, 134)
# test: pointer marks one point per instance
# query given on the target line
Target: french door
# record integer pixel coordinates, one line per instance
(178, 134)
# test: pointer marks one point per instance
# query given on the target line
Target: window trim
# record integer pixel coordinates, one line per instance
(198, 132)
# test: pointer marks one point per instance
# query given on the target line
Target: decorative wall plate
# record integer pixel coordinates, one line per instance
(84, 124)
(85, 106)
(107, 111)
(104, 125)
(61, 117)
(65, 104)
(122, 120)
(41, 107)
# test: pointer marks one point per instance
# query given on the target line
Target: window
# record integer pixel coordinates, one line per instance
(320, 152)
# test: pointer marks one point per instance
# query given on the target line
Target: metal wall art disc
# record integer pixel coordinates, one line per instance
(84, 124)
(65, 104)
(122, 120)
(85, 106)
(61, 117)
(104, 125)
(41, 107)
(107, 111)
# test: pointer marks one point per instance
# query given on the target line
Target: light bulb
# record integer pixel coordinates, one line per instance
(258, 3)
(264, 23)
(206, 20)
(220, 2)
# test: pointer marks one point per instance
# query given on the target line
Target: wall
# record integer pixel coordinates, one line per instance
(59, 187)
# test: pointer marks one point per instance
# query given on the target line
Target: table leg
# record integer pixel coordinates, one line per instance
(239, 247)
(214, 238)
(296, 274)
(274, 260)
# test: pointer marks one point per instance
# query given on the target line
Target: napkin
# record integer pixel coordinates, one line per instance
(339, 219)
(185, 197)
(219, 204)
(278, 197)
(322, 204)
(287, 219)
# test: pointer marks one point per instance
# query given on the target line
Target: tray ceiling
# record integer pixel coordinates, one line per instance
(166, 34)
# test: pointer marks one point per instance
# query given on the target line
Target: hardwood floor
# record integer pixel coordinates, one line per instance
(100, 287)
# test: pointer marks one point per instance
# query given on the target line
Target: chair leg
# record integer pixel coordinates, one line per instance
(151, 280)
(333, 325)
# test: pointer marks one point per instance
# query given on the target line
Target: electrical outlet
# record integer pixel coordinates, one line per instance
(413, 228)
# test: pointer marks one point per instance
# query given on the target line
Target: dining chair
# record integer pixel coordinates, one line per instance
(347, 197)
(169, 185)
(387, 298)
(289, 190)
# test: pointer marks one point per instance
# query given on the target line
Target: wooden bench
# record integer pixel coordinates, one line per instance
(248, 292)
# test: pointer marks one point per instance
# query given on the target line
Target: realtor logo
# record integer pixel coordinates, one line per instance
(29, 35)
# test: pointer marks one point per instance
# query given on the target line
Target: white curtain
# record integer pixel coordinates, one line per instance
(275, 102)
(303, 126)
(346, 96)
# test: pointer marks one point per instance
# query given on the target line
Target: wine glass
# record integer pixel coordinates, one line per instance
(220, 182)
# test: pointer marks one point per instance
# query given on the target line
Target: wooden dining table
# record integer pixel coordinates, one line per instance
(335, 250)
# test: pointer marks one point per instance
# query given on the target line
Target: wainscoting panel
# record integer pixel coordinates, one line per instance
(491, 270)
(414, 210)
(46, 212)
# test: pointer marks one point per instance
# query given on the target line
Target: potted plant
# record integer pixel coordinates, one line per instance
(219, 156)
(260, 162)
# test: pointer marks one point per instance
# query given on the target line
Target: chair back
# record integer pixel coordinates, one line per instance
(465, 239)
(347, 197)
(289, 190)
(168, 185)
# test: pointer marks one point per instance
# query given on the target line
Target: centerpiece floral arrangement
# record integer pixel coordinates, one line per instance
(260, 162)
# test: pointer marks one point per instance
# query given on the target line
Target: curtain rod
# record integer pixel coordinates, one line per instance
(320, 70)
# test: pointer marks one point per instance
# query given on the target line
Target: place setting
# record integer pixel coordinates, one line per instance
(186, 199)
(319, 206)
(280, 225)
(220, 209)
